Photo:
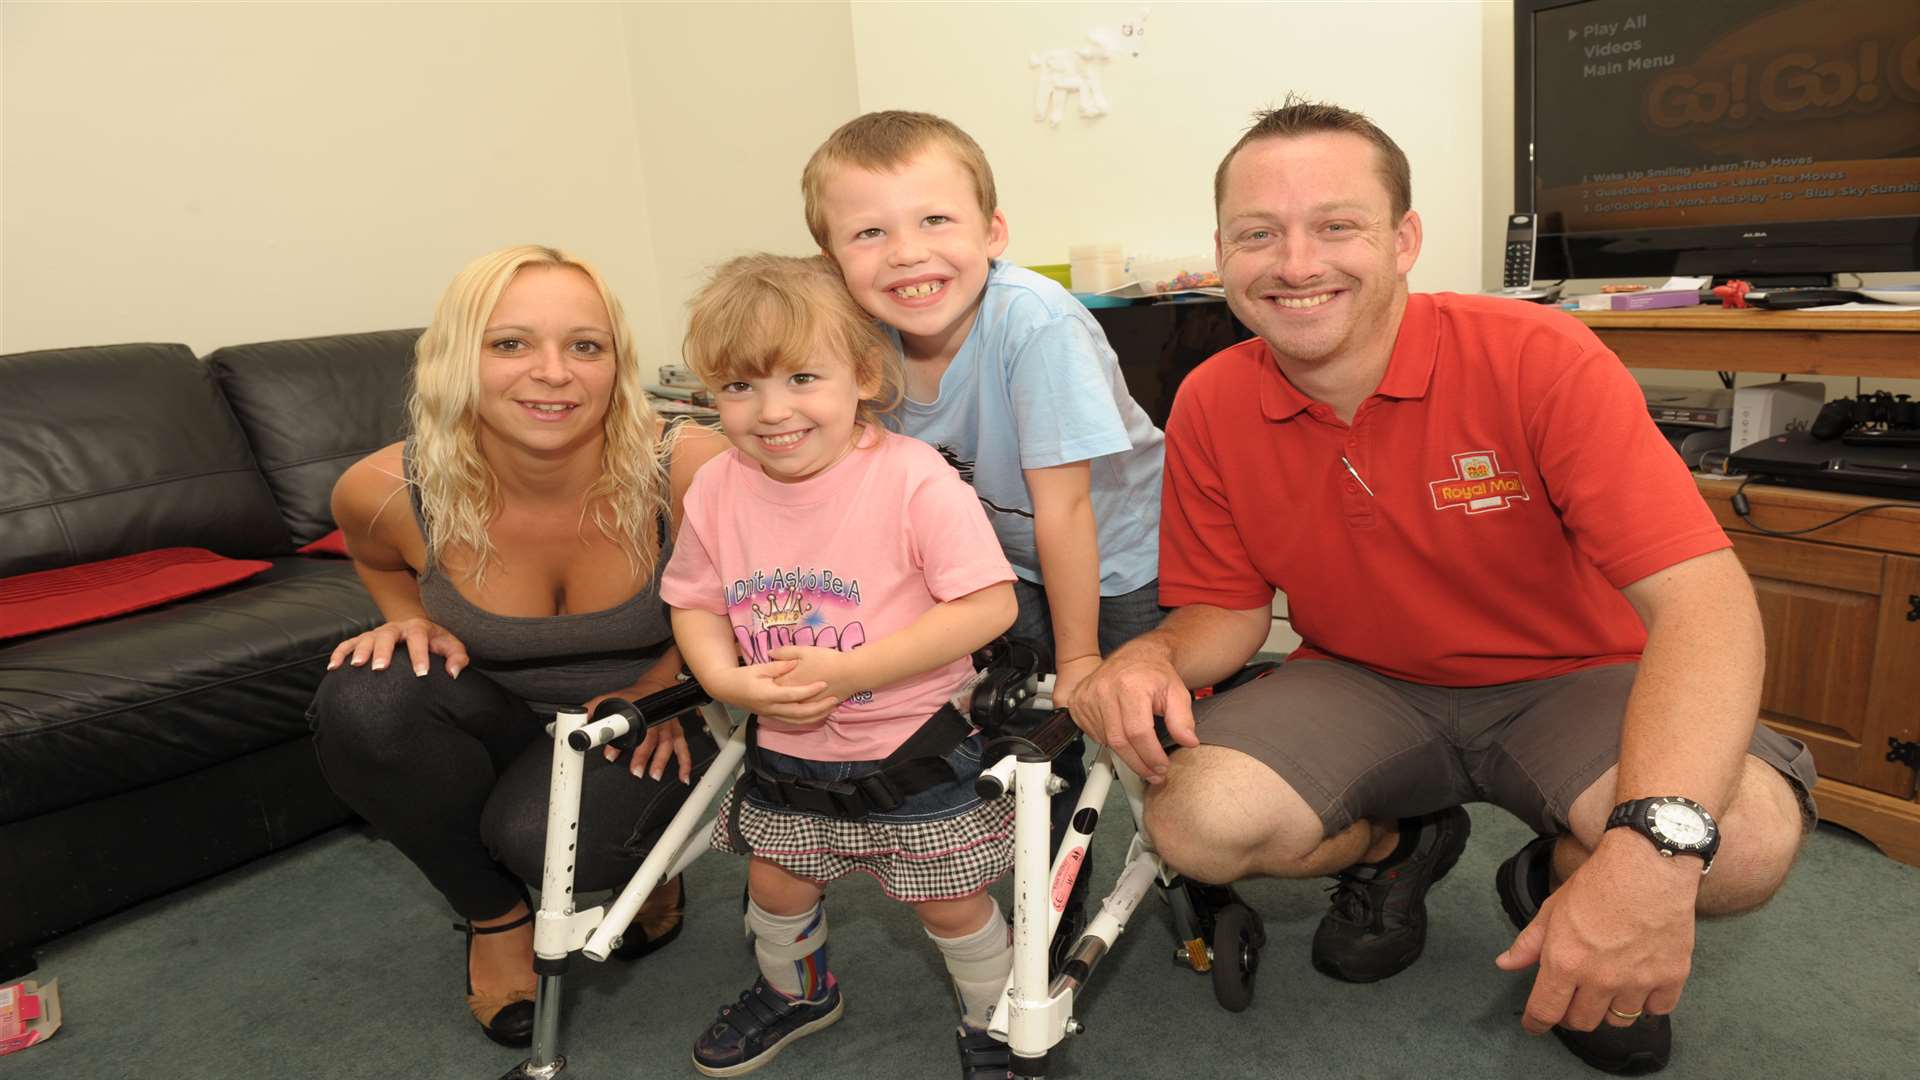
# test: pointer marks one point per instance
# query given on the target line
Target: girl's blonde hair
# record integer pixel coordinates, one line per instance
(459, 493)
(760, 314)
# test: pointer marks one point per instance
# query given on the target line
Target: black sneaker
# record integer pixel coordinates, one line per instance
(1378, 924)
(1635, 1049)
(983, 1057)
(750, 1032)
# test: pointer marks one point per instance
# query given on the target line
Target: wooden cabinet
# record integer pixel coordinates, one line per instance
(1841, 604)
(1841, 607)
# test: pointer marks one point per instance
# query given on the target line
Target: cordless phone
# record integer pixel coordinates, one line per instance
(1519, 265)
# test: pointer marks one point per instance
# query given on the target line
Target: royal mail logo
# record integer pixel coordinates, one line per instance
(1478, 484)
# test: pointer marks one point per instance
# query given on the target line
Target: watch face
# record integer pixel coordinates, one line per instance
(1680, 825)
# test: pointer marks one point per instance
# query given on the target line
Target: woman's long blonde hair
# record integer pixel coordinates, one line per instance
(459, 494)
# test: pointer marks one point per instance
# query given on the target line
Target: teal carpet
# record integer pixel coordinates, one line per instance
(335, 959)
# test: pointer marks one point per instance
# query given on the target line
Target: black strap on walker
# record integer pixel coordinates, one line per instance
(913, 767)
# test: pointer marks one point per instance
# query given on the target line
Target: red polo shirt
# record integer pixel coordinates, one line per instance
(1518, 484)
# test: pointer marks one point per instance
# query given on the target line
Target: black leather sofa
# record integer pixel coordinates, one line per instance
(157, 748)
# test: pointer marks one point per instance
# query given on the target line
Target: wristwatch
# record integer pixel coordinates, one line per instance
(1676, 826)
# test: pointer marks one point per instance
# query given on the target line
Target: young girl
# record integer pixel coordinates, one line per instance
(853, 572)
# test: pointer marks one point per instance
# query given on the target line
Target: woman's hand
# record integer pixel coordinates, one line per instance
(663, 742)
(423, 637)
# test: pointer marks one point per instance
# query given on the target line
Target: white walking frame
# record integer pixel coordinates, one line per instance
(1037, 1014)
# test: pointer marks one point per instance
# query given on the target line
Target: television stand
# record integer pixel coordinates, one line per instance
(1841, 605)
(1870, 344)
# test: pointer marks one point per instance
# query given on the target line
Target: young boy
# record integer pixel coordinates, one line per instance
(1010, 378)
(1007, 375)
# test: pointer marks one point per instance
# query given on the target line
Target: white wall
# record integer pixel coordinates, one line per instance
(1496, 151)
(221, 173)
(1143, 174)
(214, 174)
(730, 100)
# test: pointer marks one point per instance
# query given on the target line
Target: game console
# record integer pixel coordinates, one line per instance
(1798, 459)
(1690, 406)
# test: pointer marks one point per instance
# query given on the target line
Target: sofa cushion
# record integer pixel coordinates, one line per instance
(75, 595)
(334, 544)
(313, 406)
(121, 449)
(113, 706)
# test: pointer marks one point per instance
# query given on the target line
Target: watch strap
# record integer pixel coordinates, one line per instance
(1632, 814)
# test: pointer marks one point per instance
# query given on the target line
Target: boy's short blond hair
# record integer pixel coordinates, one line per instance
(762, 314)
(883, 142)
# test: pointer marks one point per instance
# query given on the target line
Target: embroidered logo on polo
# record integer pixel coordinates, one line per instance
(1478, 484)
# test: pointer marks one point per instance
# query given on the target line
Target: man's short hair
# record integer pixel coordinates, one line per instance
(883, 142)
(1297, 116)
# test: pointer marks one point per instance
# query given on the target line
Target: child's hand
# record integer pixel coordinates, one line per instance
(760, 689)
(813, 664)
(1067, 679)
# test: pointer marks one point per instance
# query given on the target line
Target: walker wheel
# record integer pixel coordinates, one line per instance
(1238, 935)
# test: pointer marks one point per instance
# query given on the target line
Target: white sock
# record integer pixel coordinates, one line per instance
(792, 950)
(979, 964)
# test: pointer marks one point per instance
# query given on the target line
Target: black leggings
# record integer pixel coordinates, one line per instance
(454, 772)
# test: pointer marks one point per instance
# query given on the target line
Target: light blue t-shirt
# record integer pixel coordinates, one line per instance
(1034, 385)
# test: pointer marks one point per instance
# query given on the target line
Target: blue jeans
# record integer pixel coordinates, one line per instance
(1122, 618)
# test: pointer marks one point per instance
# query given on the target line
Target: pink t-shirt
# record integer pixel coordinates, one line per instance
(838, 561)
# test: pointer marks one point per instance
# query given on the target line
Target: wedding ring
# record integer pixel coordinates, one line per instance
(1634, 1015)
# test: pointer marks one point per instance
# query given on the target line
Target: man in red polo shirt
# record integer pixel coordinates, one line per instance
(1508, 590)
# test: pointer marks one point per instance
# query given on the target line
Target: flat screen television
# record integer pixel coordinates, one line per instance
(1772, 140)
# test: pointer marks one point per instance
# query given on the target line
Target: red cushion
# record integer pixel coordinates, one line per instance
(50, 599)
(331, 544)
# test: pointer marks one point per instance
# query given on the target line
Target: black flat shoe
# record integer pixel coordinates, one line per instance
(506, 1018)
(654, 927)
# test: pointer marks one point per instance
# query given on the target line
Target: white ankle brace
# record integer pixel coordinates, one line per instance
(979, 964)
(792, 949)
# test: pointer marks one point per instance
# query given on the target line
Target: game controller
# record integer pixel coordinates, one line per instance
(1880, 410)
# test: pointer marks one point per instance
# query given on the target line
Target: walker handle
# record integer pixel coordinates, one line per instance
(619, 721)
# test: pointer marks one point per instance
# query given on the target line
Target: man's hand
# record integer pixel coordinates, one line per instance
(1616, 935)
(1067, 680)
(1117, 703)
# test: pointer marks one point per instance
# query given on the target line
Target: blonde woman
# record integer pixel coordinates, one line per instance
(514, 543)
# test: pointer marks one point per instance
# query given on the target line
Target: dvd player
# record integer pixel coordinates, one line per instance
(1690, 406)
(1797, 459)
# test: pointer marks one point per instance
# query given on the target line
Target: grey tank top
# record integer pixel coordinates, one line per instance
(555, 661)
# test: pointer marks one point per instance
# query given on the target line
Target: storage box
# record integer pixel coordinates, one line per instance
(1769, 409)
(1057, 271)
(1644, 301)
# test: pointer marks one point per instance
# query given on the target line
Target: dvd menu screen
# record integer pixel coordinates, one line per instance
(1653, 115)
